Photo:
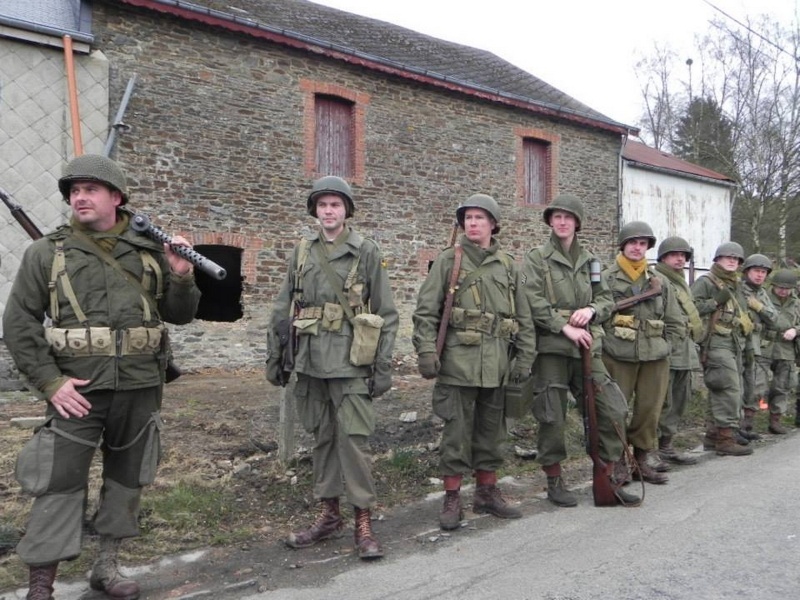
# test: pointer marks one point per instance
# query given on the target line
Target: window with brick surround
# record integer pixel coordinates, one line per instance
(335, 133)
(536, 166)
(334, 128)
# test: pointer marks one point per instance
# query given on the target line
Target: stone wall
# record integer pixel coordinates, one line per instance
(217, 148)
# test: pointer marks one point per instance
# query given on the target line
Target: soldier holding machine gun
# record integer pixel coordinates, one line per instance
(100, 363)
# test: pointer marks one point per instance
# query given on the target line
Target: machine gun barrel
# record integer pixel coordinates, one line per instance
(141, 223)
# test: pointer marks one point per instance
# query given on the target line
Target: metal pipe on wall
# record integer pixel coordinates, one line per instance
(77, 140)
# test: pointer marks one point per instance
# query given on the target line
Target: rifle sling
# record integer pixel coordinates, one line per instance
(332, 280)
(449, 298)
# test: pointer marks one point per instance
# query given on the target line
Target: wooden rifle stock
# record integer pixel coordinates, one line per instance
(651, 292)
(602, 490)
(449, 299)
(23, 219)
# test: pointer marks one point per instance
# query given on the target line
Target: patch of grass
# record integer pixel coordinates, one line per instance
(404, 474)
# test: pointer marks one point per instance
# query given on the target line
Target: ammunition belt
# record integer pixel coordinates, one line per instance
(104, 341)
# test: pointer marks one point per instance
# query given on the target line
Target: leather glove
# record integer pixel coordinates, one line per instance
(428, 365)
(721, 296)
(275, 374)
(755, 304)
(381, 380)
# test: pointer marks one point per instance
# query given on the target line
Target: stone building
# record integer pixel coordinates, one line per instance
(238, 105)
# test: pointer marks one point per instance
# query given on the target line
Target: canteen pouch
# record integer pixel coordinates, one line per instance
(366, 335)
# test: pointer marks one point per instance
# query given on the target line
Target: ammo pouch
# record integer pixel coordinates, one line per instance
(366, 335)
(518, 399)
(332, 316)
(102, 341)
(625, 327)
(654, 328)
(34, 467)
(474, 322)
(307, 326)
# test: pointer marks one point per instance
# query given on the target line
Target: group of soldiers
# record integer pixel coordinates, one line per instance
(85, 323)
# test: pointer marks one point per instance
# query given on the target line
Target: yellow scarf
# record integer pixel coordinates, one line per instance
(633, 269)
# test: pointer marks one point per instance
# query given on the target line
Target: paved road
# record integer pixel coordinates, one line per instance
(728, 528)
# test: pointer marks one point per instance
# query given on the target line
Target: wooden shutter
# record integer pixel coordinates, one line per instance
(335, 129)
(535, 156)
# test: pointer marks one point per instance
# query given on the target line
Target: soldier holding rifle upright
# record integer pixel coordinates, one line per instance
(100, 363)
(337, 298)
(567, 308)
(486, 323)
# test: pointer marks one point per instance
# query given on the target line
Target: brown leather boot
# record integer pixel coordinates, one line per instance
(452, 512)
(645, 472)
(619, 476)
(367, 546)
(489, 500)
(727, 446)
(668, 453)
(746, 425)
(40, 586)
(328, 525)
(105, 575)
(775, 425)
(557, 492)
(710, 438)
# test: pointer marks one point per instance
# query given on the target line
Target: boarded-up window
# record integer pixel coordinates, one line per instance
(536, 161)
(335, 136)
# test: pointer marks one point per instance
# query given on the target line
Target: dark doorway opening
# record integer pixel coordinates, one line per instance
(221, 300)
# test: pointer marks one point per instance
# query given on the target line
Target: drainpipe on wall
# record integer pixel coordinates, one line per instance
(621, 180)
(69, 61)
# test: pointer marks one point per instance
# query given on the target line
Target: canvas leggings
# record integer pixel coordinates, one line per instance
(128, 423)
(474, 428)
(339, 413)
(554, 377)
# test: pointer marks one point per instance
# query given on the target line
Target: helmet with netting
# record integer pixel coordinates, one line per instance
(93, 167)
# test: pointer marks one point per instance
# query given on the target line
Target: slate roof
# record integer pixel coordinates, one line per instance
(375, 43)
(639, 154)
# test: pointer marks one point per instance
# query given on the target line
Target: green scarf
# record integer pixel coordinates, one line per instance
(105, 239)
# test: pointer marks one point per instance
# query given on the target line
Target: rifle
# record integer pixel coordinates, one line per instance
(602, 490)
(449, 299)
(651, 292)
(19, 214)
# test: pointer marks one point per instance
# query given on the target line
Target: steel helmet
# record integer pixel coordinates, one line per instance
(757, 260)
(636, 229)
(567, 203)
(484, 202)
(331, 184)
(730, 249)
(93, 167)
(675, 244)
(785, 278)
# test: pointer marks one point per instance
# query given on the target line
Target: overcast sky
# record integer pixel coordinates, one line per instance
(586, 48)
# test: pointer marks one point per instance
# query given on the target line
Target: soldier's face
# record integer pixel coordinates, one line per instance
(635, 249)
(674, 260)
(94, 205)
(478, 227)
(564, 224)
(331, 213)
(781, 292)
(756, 275)
(729, 263)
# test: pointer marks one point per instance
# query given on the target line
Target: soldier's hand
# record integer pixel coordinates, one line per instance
(381, 381)
(582, 317)
(69, 402)
(428, 365)
(755, 304)
(790, 334)
(721, 296)
(520, 374)
(579, 336)
(178, 264)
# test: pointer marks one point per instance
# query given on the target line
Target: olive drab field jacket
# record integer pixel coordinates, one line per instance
(117, 346)
(555, 288)
(768, 319)
(773, 346)
(324, 332)
(732, 327)
(489, 316)
(645, 331)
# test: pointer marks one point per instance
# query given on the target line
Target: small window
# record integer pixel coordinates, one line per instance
(335, 133)
(536, 159)
(220, 300)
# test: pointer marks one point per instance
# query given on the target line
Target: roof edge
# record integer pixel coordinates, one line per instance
(231, 22)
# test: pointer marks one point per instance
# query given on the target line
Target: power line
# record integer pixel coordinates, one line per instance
(751, 30)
